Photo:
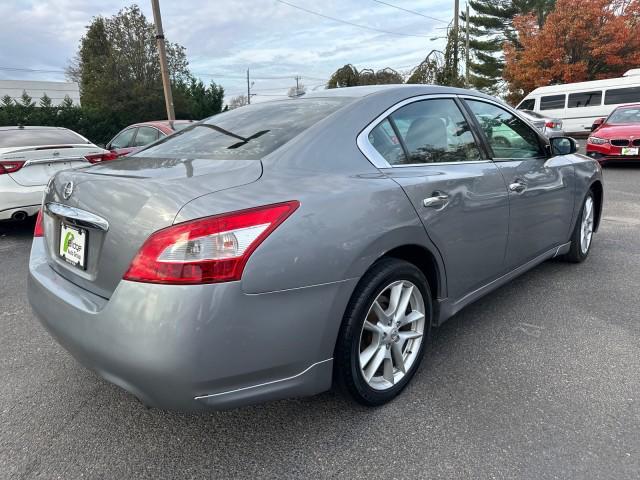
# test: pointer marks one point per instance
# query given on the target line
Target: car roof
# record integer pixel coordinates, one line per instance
(629, 105)
(391, 89)
(158, 123)
(31, 127)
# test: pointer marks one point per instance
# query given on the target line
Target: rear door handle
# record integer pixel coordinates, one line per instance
(438, 200)
(517, 187)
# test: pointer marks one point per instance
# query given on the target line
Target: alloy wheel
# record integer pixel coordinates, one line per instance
(586, 230)
(392, 334)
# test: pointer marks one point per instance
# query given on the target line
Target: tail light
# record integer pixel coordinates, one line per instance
(553, 125)
(38, 231)
(7, 166)
(101, 157)
(208, 250)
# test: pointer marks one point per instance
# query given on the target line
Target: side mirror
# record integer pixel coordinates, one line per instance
(597, 122)
(563, 146)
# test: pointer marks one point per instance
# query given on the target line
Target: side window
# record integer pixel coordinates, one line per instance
(123, 139)
(528, 104)
(145, 136)
(584, 99)
(508, 136)
(622, 95)
(552, 102)
(385, 141)
(432, 131)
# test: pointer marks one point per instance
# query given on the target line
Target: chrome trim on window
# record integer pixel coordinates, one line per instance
(378, 160)
(78, 217)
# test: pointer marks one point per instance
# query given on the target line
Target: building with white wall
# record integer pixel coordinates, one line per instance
(56, 91)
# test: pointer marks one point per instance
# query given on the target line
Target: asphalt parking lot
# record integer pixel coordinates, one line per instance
(541, 379)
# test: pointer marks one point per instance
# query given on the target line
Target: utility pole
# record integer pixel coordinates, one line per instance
(297, 85)
(162, 52)
(248, 89)
(466, 50)
(456, 14)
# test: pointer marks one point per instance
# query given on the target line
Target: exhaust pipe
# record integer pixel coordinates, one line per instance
(19, 216)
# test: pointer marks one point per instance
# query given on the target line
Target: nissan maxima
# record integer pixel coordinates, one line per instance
(280, 248)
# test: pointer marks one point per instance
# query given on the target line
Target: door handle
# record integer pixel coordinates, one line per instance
(438, 200)
(517, 187)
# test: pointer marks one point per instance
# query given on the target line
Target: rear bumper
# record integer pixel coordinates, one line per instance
(16, 198)
(195, 347)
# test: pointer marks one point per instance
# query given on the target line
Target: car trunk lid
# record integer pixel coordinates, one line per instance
(43, 161)
(134, 197)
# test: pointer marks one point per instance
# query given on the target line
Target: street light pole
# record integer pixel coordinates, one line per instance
(466, 62)
(248, 89)
(162, 52)
(456, 14)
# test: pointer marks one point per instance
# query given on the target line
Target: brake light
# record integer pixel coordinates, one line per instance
(101, 157)
(38, 231)
(10, 166)
(207, 250)
(553, 124)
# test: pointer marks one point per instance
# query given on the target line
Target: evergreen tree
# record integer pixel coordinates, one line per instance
(490, 26)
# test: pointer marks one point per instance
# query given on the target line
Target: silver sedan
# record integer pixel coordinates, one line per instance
(279, 248)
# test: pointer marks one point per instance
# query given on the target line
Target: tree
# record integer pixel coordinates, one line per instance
(439, 67)
(580, 40)
(239, 101)
(193, 100)
(490, 26)
(118, 68)
(349, 76)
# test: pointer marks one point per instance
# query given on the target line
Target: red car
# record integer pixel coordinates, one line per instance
(139, 135)
(616, 137)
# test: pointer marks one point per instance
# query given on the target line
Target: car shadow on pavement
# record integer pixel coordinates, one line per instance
(16, 229)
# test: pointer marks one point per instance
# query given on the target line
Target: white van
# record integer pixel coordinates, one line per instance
(579, 104)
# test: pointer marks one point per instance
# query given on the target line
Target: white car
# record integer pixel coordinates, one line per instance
(29, 156)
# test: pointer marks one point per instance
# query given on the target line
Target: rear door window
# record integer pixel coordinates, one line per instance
(585, 99)
(552, 102)
(145, 136)
(622, 95)
(246, 133)
(33, 137)
(428, 131)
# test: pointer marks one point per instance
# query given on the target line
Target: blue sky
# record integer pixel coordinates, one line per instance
(224, 37)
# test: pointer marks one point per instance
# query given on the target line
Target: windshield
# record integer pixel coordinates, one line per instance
(247, 133)
(181, 126)
(625, 115)
(26, 137)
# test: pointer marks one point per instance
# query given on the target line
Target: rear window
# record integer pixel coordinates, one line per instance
(246, 133)
(622, 95)
(585, 99)
(26, 137)
(552, 102)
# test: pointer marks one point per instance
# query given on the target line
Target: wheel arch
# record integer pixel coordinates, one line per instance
(598, 193)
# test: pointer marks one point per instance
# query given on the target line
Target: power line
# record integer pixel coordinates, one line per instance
(411, 11)
(350, 23)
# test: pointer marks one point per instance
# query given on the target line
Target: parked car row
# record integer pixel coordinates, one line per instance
(29, 156)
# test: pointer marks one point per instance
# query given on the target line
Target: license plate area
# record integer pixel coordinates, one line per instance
(73, 245)
(630, 150)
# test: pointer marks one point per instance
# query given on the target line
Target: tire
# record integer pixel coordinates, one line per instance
(399, 344)
(577, 253)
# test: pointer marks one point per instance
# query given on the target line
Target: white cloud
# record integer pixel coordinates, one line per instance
(228, 36)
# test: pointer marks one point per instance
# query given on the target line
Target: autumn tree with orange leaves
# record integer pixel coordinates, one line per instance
(581, 40)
